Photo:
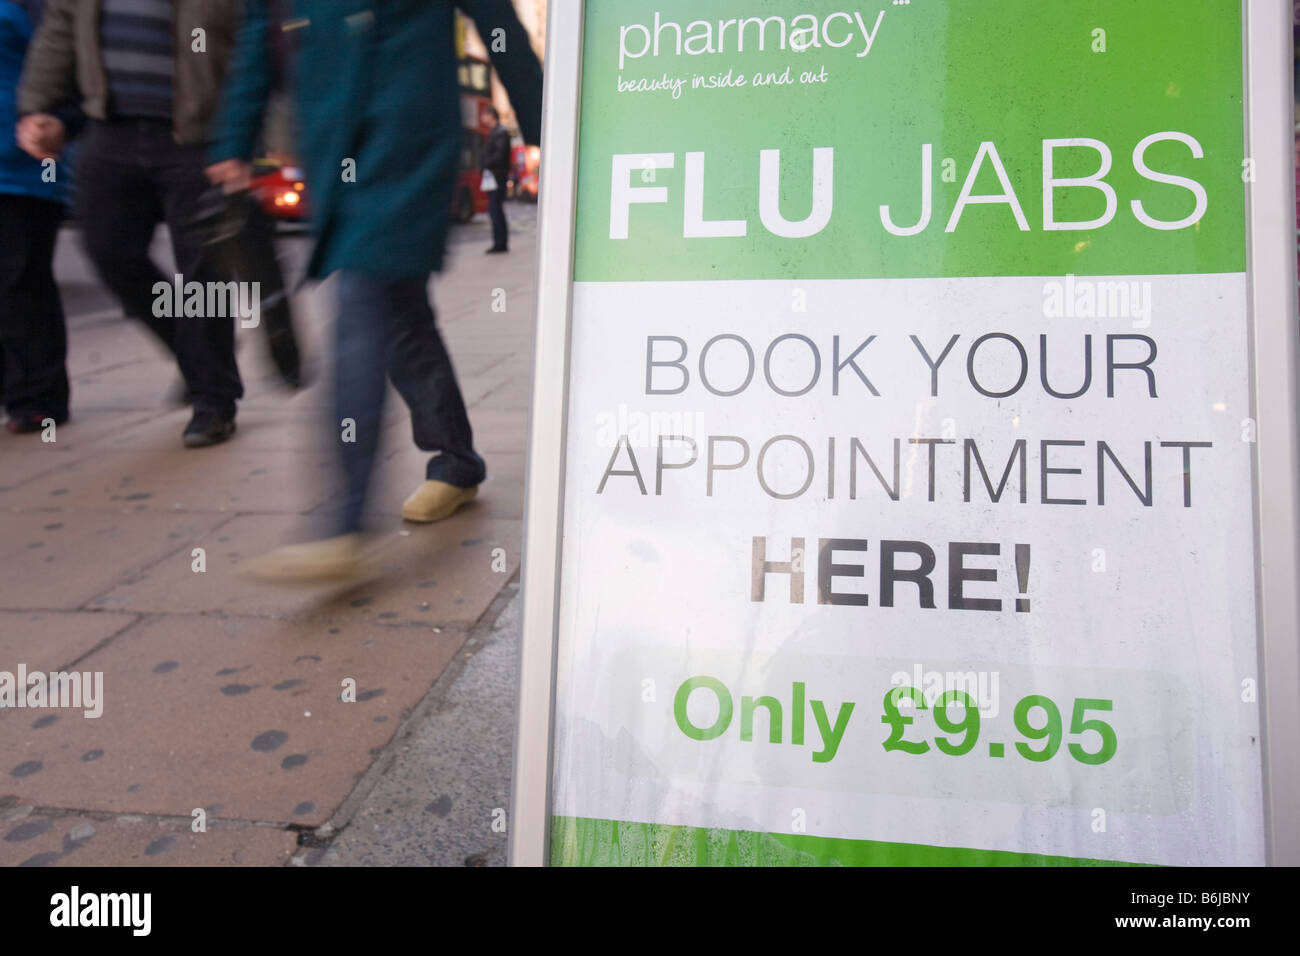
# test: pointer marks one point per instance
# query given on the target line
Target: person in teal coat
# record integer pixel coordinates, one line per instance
(378, 108)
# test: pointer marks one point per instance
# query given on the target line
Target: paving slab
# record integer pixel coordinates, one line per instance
(138, 385)
(50, 641)
(24, 457)
(445, 574)
(176, 586)
(36, 838)
(241, 714)
(230, 478)
(108, 340)
(62, 559)
(435, 574)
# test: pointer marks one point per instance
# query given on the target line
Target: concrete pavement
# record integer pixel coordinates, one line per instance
(227, 703)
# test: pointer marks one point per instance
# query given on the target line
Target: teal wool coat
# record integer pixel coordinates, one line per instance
(376, 84)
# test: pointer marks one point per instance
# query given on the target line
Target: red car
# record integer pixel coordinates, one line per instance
(281, 190)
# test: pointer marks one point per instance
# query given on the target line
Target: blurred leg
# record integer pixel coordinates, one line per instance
(359, 386)
(33, 334)
(276, 315)
(205, 347)
(497, 213)
(118, 210)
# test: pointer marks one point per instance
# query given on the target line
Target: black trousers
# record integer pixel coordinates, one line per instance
(131, 175)
(33, 334)
(386, 328)
(497, 213)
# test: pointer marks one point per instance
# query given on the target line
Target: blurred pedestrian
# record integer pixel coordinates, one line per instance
(380, 118)
(33, 333)
(496, 169)
(149, 73)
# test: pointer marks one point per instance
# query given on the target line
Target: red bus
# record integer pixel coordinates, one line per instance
(527, 162)
(475, 79)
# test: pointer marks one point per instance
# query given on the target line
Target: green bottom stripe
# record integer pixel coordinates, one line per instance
(580, 841)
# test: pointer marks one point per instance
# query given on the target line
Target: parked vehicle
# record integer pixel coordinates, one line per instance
(281, 190)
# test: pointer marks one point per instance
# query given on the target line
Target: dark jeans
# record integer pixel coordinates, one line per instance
(386, 326)
(33, 334)
(497, 213)
(131, 175)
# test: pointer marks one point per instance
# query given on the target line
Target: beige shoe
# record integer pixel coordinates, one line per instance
(435, 500)
(331, 559)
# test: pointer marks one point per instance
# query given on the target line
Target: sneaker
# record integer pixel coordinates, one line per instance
(207, 428)
(435, 500)
(330, 559)
(496, 249)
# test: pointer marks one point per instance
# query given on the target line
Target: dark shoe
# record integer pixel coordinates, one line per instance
(24, 423)
(207, 428)
(497, 249)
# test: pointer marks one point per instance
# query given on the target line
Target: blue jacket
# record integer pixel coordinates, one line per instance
(20, 174)
(377, 92)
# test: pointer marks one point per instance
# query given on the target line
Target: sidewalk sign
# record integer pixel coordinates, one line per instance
(913, 455)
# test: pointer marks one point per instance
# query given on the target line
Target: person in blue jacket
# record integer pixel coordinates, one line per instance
(33, 333)
(378, 108)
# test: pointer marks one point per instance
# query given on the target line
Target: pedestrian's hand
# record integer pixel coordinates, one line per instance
(231, 175)
(40, 135)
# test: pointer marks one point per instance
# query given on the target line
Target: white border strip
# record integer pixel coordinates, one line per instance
(1271, 272)
(530, 816)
